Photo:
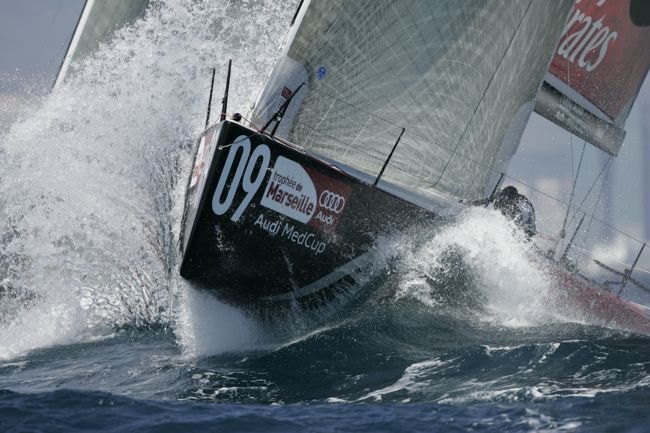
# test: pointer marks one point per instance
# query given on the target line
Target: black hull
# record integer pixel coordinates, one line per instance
(275, 230)
(268, 225)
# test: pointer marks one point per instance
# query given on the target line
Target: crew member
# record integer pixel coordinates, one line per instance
(514, 206)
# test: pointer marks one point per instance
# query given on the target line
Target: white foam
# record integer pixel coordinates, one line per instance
(46, 324)
(501, 261)
(206, 326)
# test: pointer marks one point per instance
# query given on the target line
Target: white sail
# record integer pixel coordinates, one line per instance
(459, 75)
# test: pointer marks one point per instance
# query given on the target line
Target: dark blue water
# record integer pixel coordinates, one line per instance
(398, 368)
(95, 411)
(98, 332)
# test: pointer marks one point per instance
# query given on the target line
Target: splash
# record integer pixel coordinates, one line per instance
(92, 180)
(206, 326)
(484, 262)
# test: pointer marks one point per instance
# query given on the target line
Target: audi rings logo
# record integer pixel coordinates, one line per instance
(331, 201)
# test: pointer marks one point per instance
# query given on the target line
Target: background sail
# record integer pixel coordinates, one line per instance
(599, 65)
(459, 75)
(98, 20)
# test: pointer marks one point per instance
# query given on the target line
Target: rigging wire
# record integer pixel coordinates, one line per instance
(591, 188)
(573, 190)
(605, 170)
(600, 194)
(572, 162)
(568, 75)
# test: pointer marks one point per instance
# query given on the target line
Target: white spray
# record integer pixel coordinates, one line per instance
(515, 288)
(92, 181)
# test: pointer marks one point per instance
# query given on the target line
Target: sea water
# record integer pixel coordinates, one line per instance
(98, 332)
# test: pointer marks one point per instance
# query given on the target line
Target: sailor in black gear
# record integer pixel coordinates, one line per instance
(514, 206)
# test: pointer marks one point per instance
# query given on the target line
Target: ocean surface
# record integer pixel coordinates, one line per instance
(98, 332)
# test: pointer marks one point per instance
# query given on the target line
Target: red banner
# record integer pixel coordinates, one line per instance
(604, 53)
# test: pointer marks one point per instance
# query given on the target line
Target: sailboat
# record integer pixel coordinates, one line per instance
(380, 116)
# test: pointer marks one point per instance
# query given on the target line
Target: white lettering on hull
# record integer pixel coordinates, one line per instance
(288, 231)
(290, 191)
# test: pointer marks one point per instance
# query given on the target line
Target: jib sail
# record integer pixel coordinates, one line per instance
(459, 75)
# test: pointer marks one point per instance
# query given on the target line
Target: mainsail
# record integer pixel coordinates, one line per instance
(460, 76)
(598, 68)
